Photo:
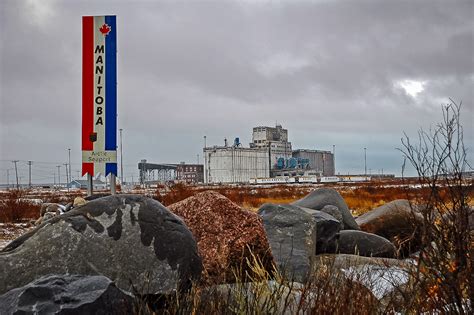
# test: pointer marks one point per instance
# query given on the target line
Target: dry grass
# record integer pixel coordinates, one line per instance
(328, 290)
(366, 198)
(24, 205)
(14, 207)
(246, 196)
(360, 199)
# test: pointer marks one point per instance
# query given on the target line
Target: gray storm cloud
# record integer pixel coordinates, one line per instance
(329, 71)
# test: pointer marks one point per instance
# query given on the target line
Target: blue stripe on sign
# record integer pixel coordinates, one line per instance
(110, 168)
(111, 85)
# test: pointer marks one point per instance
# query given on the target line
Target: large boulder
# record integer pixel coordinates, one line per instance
(397, 221)
(322, 197)
(327, 231)
(364, 244)
(131, 239)
(226, 235)
(291, 232)
(67, 294)
(385, 277)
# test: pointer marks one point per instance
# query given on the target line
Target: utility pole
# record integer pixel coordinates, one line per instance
(59, 176)
(334, 158)
(121, 157)
(113, 188)
(69, 160)
(365, 161)
(8, 179)
(198, 159)
(67, 177)
(16, 174)
(205, 157)
(29, 173)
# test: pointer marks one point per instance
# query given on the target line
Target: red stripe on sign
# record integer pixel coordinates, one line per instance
(88, 168)
(87, 82)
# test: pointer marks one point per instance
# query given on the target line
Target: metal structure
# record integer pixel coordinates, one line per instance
(156, 172)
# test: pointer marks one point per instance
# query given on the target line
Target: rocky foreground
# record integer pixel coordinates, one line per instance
(106, 253)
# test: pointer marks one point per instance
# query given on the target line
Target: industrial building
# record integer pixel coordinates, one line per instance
(270, 155)
(190, 173)
(274, 139)
(235, 164)
(151, 173)
(321, 162)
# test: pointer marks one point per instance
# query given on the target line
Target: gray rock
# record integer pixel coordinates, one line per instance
(49, 215)
(365, 244)
(385, 277)
(397, 222)
(327, 231)
(131, 239)
(321, 197)
(67, 294)
(291, 234)
(51, 207)
(96, 196)
(334, 211)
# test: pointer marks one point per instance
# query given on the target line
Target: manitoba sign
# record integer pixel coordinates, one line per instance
(99, 95)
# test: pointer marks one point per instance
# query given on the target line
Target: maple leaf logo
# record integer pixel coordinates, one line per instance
(105, 29)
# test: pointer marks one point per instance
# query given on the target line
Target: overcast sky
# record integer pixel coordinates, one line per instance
(352, 74)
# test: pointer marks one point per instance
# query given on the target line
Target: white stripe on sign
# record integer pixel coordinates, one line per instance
(99, 90)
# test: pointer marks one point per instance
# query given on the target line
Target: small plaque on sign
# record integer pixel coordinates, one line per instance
(99, 156)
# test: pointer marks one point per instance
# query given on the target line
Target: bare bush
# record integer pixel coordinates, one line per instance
(444, 277)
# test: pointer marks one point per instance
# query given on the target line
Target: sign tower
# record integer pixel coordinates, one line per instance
(99, 97)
